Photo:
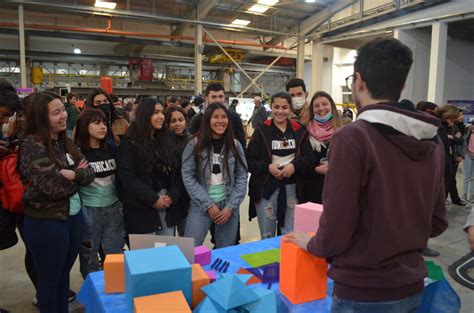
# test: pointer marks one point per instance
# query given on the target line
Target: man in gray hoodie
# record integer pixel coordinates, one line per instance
(394, 198)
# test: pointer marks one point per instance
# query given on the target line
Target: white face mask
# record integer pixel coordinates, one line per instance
(298, 102)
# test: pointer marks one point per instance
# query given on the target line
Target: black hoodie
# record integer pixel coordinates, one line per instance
(393, 203)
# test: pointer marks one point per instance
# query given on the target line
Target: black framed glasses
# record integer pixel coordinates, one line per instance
(349, 81)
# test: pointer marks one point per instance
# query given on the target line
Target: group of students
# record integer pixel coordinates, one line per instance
(89, 187)
(163, 174)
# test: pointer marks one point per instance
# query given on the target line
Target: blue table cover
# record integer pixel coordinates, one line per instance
(95, 300)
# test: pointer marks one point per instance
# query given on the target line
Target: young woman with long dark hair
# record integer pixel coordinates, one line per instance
(147, 172)
(53, 224)
(177, 122)
(101, 207)
(117, 126)
(278, 155)
(214, 173)
(321, 119)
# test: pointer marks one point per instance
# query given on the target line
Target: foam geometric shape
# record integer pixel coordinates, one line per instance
(307, 217)
(253, 280)
(230, 292)
(202, 255)
(156, 270)
(212, 275)
(210, 306)
(303, 276)
(162, 303)
(199, 280)
(243, 277)
(114, 273)
(269, 302)
(271, 273)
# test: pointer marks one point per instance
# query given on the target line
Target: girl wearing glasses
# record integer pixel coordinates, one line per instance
(321, 120)
(215, 175)
(278, 155)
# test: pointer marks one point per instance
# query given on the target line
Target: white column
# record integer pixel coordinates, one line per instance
(408, 92)
(317, 59)
(300, 58)
(439, 33)
(21, 33)
(198, 49)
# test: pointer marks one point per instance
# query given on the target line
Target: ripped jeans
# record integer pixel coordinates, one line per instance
(267, 213)
(103, 227)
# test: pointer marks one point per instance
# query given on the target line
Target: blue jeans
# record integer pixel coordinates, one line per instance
(468, 176)
(199, 222)
(104, 227)
(267, 213)
(54, 245)
(407, 305)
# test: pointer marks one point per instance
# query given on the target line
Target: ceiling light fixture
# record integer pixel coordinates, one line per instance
(256, 8)
(77, 51)
(268, 2)
(310, 1)
(105, 4)
(240, 22)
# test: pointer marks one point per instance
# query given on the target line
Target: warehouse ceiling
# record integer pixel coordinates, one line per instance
(164, 29)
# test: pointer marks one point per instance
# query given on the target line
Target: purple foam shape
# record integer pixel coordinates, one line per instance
(202, 255)
(212, 275)
(271, 273)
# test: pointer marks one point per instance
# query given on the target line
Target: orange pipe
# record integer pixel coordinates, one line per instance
(108, 30)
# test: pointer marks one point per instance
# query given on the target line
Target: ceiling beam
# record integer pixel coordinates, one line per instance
(313, 21)
(203, 7)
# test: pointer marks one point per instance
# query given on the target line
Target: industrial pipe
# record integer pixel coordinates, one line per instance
(110, 31)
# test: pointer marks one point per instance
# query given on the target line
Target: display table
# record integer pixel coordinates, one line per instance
(95, 300)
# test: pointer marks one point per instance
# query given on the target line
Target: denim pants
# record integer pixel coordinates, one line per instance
(54, 245)
(468, 175)
(198, 224)
(103, 227)
(267, 213)
(407, 305)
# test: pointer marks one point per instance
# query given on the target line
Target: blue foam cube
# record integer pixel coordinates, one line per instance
(156, 270)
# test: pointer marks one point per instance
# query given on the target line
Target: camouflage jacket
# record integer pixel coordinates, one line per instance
(49, 192)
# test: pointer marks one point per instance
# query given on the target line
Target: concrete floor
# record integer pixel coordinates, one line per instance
(16, 291)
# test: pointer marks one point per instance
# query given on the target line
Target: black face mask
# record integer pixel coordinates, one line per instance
(105, 107)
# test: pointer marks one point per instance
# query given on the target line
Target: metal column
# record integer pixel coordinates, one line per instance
(300, 58)
(439, 33)
(21, 33)
(317, 59)
(198, 49)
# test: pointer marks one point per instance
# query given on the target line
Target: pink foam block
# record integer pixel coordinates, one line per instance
(307, 217)
(202, 255)
(212, 275)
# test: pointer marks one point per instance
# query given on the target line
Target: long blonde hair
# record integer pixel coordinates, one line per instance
(307, 114)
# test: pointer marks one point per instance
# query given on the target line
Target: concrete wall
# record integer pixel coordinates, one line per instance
(459, 75)
(419, 41)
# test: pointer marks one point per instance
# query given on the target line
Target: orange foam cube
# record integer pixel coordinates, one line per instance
(114, 273)
(303, 276)
(162, 303)
(200, 279)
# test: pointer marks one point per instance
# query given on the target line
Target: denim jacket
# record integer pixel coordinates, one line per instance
(235, 185)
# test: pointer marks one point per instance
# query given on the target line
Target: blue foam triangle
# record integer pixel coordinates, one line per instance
(243, 277)
(269, 302)
(230, 292)
(209, 306)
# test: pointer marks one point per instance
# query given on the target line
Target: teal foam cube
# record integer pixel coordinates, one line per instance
(156, 270)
